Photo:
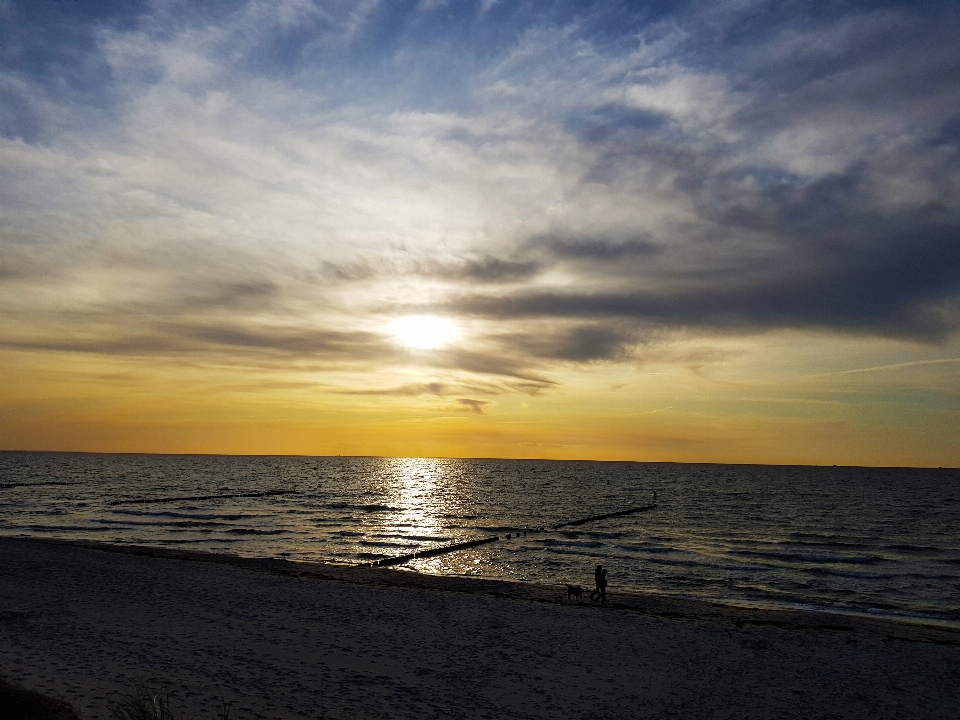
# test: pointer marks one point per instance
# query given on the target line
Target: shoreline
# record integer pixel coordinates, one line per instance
(653, 604)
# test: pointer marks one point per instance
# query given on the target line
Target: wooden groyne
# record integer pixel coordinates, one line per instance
(147, 501)
(432, 552)
(619, 513)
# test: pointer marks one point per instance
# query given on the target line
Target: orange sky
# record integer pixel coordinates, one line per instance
(731, 410)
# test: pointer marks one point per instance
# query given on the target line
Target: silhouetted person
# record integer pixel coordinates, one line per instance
(600, 580)
(654, 497)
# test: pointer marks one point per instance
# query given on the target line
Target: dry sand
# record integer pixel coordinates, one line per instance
(288, 640)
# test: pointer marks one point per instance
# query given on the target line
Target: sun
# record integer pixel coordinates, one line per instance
(423, 332)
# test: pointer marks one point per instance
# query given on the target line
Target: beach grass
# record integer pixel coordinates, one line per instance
(19, 703)
(145, 706)
(141, 705)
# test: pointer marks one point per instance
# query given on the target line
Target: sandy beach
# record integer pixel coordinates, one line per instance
(291, 640)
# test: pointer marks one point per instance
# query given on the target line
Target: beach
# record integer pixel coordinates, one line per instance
(279, 639)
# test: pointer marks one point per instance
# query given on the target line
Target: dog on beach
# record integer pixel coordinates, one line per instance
(575, 591)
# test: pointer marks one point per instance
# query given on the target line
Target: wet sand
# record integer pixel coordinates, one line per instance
(289, 640)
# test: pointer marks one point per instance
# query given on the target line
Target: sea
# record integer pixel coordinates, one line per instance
(877, 541)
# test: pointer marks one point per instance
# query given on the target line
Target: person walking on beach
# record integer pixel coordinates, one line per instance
(597, 574)
(600, 580)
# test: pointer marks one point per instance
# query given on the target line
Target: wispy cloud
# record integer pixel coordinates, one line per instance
(285, 176)
(891, 366)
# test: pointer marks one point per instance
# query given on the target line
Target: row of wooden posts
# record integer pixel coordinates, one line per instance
(398, 559)
(444, 549)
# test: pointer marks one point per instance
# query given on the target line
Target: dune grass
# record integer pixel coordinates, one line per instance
(142, 706)
(146, 706)
(18, 703)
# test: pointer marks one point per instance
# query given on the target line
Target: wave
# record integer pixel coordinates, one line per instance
(549, 543)
(380, 543)
(679, 562)
(641, 548)
(912, 548)
(196, 541)
(254, 531)
(165, 524)
(810, 557)
(62, 528)
(401, 536)
(364, 508)
(192, 516)
(826, 544)
(504, 529)
(850, 573)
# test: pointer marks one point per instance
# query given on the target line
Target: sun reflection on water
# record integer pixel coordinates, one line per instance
(427, 503)
(414, 484)
(432, 509)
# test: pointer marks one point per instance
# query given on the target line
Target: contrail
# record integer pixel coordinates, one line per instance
(894, 366)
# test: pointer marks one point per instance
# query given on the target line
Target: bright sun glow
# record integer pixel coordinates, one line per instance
(423, 332)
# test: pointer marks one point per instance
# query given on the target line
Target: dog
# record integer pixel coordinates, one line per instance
(575, 591)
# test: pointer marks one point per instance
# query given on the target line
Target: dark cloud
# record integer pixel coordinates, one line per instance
(582, 343)
(440, 389)
(321, 343)
(409, 390)
(492, 269)
(347, 271)
(775, 245)
(471, 405)
(484, 269)
(16, 269)
(461, 404)
(599, 249)
(142, 344)
(531, 388)
(615, 125)
(168, 338)
(504, 362)
(194, 296)
(896, 285)
(949, 133)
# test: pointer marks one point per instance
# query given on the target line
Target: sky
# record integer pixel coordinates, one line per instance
(667, 231)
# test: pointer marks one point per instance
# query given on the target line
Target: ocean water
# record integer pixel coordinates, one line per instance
(867, 540)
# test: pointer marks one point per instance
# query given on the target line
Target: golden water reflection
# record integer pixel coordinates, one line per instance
(424, 494)
(433, 509)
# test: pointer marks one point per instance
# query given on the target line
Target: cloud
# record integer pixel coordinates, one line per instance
(470, 405)
(490, 269)
(483, 269)
(283, 177)
(498, 362)
(581, 343)
(599, 249)
(897, 288)
(893, 366)
(166, 339)
(437, 388)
